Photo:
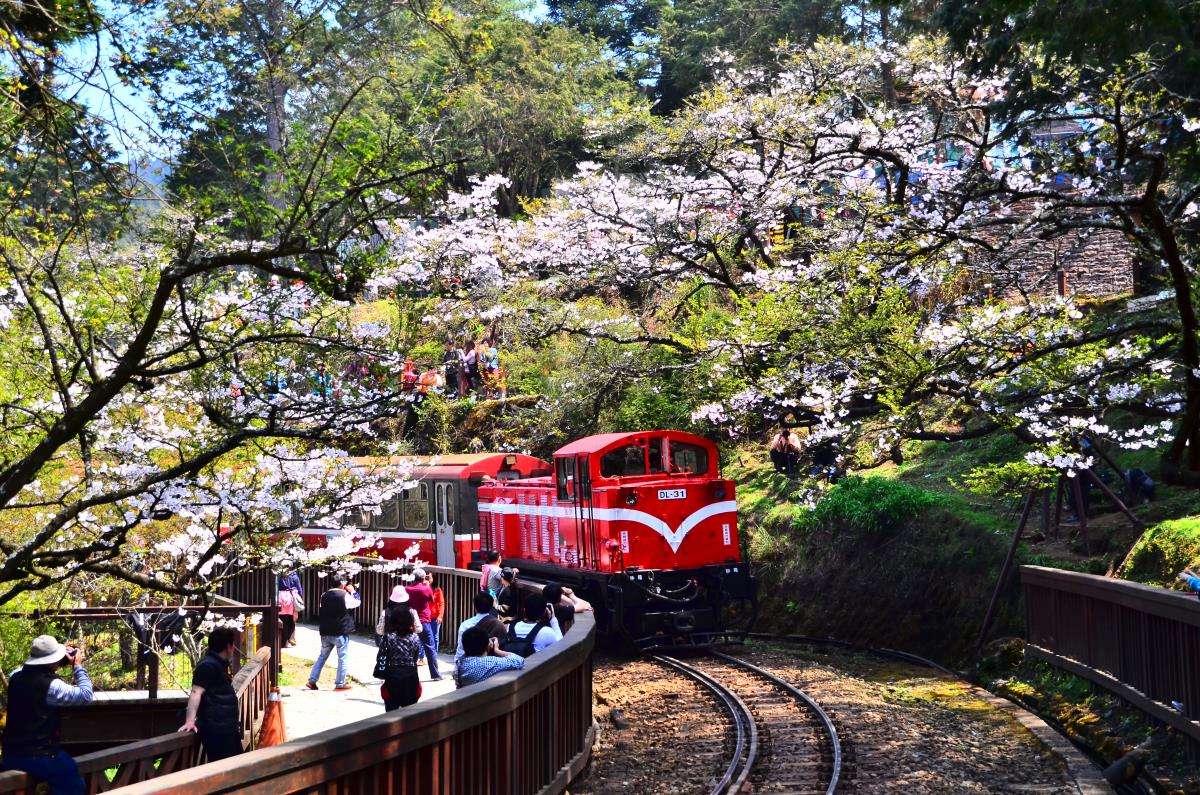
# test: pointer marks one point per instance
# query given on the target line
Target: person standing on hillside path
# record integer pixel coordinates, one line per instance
(420, 596)
(212, 708)
(35, 693)
(336, 616)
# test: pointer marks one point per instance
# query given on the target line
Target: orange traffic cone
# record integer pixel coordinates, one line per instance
(272, 731)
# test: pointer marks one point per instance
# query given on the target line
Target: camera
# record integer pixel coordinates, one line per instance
(72, 653)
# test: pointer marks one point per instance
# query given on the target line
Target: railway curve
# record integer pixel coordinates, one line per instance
(893, 725)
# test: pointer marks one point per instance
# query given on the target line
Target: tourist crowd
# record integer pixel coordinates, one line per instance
(505, 629)
(469, 369)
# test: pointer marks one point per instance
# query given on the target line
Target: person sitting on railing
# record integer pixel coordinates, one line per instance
(489, 575)
(421, 597)
(336, 617)
(484, 609)
(35, 693)
(212, 707)
(566, 604)
(396, 660)
(536, 630)
(483, 658)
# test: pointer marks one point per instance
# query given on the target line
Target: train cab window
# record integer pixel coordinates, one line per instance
(657, 462)
(450, 504)
(688, 459)
(564, 480)
(624, 461)
(438, 499)
(416, 507)
(388, 517)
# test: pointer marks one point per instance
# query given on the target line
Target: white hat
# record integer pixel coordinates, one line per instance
(399, 595)
(419, 573)
(45, 650)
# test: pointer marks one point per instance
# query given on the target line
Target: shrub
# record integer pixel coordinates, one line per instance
(1164, 550)
(868, 505)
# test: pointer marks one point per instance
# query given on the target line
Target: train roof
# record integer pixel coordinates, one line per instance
(602, 442)
(461, 465)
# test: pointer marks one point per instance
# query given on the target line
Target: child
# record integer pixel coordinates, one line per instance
(489, 579)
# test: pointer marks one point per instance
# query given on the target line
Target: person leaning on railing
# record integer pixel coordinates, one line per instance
(1190, 579)
(212, 708)
(31, 731)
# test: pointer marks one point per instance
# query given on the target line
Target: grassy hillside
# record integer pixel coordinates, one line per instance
(907, 556)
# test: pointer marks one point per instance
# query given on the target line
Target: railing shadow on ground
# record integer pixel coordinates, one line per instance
(1139, 642)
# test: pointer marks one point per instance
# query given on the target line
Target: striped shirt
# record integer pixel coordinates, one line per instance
(62, 694)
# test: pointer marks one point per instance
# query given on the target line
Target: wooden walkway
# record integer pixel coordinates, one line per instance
(307, 712)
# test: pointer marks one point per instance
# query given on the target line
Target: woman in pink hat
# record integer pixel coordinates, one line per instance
(398, 596)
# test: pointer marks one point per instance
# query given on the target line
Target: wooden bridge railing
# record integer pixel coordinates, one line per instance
(459, 586)
(160, 756)
(1139, 642)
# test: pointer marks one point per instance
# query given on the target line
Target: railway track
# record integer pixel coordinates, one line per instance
(782, 740)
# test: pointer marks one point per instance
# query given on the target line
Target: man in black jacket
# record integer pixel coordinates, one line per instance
(35, 694)
(212, 708)
(336, 616)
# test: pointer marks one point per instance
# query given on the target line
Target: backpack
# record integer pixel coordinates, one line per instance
(522, 646)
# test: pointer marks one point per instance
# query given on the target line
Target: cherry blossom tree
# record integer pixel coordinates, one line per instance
(857, 255)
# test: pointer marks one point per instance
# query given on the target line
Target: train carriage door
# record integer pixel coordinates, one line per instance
(443, 499)
(587, 524)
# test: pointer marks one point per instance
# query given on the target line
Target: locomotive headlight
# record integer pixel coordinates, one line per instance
(719, 491)
(631, 498)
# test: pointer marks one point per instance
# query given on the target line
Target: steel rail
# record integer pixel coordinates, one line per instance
(831, 732)
(745, 750)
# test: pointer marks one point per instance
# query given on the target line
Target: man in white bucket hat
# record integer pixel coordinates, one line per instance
(35, 693)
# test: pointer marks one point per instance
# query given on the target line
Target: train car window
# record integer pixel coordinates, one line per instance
(688, 458)
(450, 503)
(389, 517)
(657, 464)
(565, 467)
(416, 508)
(439, 500)
(624, 461)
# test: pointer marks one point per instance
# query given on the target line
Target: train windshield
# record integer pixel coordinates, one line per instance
(688, 459)
(624, 461)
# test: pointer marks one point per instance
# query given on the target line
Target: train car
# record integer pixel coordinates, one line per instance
(641, 524)
(439, 511)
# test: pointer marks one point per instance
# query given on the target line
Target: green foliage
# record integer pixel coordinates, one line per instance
(433, 423)
(1163, 551)
(1010, 479)
(868, 505)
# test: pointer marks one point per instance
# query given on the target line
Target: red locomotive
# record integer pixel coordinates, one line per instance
(641, 524)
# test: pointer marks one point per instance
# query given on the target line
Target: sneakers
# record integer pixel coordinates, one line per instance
(346, 686)
(311, 686)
